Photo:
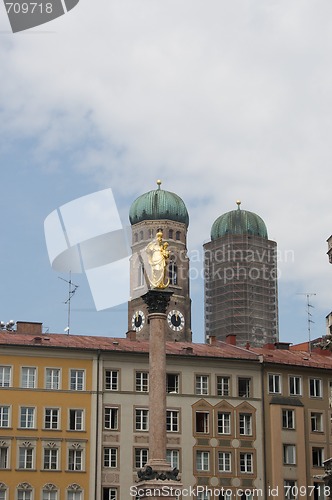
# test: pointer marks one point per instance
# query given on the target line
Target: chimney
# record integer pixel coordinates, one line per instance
(212, 340)
(131, 335)
(231, 339)
(29, 327)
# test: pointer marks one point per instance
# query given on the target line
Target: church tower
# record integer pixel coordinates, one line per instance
(160, 210)
(240, 269)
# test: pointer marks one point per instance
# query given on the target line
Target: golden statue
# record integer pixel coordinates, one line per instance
(158, 255)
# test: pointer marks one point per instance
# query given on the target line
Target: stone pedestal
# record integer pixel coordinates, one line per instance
(157, 479)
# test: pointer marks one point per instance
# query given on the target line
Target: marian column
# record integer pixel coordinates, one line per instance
(157, 479)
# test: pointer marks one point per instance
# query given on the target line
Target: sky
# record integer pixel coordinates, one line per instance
(222, 100)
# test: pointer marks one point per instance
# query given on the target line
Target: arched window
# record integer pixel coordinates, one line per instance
(135, 237)
(178, 235)
(140, 275)
(74, 492)
(170, 234)
(24, 491)
(173, 273)
(141, 235)
(50, 492)
(3, 491)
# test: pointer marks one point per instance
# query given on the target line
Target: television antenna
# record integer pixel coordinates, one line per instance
(71, 291)
(309, 316)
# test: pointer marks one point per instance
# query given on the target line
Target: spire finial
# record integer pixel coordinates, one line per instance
(238, 202)
(158, 183)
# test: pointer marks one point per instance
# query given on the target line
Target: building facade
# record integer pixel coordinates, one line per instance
(240, 423)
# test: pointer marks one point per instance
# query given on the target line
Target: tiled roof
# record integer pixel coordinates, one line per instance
(218, 349)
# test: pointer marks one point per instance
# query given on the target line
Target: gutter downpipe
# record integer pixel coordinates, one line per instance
(264, 424)
(97, 425)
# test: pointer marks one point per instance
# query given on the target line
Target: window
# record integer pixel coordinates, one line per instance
(141, 457)
(3, 458)
(4, 416)
(172, 421)
(172, 383)
(50, 494)
(25, 458)
(245, 420)
(177, 235)
(202, 460)
(290, 490)
(202, 421)
(225, 496)
(202, 385)
(74, 494)
(3, 495)
(140, 275)
(315, 385)
(110, 494)
(316, 422)
(317, 457)
(52, 378)
(224, 423)
(76, 420)
(111, 380)
(51, 418)
(288, 419)
(111, 418)
(142, 382)
(295, 386)
(246, 463)
(172, 457)
(5, 376)
(222, 386)
(141, 419)
(24, 494)
(75, 459)
(244, 387)
(289, 454)
(173, 273)
(51, 458)
(77, 380)
(27, 417)
(274, 384)
(110, 457)
(170, 233)
(28, 377)
(224, 461)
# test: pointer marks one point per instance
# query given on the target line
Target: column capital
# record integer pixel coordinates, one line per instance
(157, 300)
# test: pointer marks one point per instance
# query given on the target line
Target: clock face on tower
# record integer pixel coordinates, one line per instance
(138, 320)
(175, 320)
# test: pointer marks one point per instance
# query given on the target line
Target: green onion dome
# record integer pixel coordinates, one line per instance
(157, 205)
(238, 222)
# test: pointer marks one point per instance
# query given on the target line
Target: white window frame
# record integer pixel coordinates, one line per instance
(75, 459)
(112, 378)
(49, 454)
(174, 387)
(224, 461)
(77, 379)
(321, 452)
(5, 416)
(142, 381)
(205, 418)
(224, 422)
(141, 419)
(285, 417)
(52, 421)
(5, 376)
(53, 379)
(141, 457)
(111, 414)
(27, 417)
(28, 377)
(295, 385)
(245, 424)
(172, 420)
(26, 456)
(290, 486)
(274, 383)
(202, 385)
(316, 421)
(4, 457)
(76, 416)
(223, 385)
(110, 457)
(289, 454)
(246, 463)
(247, 393)
(202, 461)
(315, 389)
(173, 458)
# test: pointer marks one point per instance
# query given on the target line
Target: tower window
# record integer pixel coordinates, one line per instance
(173, 273)
(178, 235)
(141, 235)
(171, 234)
